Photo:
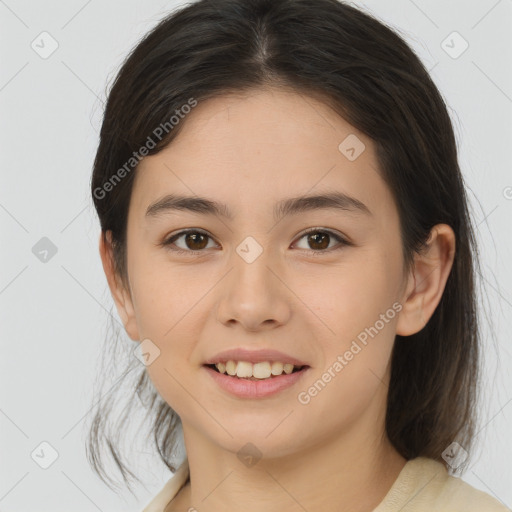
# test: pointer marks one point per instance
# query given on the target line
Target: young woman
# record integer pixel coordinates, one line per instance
(285, 234)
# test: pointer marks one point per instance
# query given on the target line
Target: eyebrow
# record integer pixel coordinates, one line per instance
(285, 207)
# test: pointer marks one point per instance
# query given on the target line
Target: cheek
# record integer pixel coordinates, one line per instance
(352, 296)
(340, 397)
(164, 296)
(168, 308)
(355, 362)
(358, 304)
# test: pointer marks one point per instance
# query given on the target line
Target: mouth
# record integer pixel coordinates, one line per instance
(275, 371)
(237, 379)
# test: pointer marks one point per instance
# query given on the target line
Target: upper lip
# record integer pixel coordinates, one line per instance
(254, 356)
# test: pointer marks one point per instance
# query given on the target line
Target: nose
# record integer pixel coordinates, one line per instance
(254, 295)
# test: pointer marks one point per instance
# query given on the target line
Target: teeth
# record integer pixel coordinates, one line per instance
(230, 368)
(288, 368)
(243, 369)
(262, 370)
(277, 368)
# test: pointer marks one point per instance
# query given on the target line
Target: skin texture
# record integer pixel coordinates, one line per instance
(250, 151)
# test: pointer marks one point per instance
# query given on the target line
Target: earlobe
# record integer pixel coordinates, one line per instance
(120, 294)
(427, 280)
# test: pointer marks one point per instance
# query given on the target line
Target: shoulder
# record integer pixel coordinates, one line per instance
(457, 495)
(162, 501)
(425, 485)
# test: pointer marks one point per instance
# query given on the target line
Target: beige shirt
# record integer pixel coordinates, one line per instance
(423, 485)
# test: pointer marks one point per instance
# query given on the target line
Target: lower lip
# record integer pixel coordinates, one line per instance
(244, 388)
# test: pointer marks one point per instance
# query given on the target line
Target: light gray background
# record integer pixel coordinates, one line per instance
(54, 315)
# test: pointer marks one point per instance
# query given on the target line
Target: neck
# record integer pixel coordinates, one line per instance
(350, 472)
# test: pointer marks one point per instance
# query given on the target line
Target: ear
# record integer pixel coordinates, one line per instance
(427, 280)
(120, 294)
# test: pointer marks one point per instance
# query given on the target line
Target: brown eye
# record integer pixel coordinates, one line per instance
(193, 241)
(318, 240)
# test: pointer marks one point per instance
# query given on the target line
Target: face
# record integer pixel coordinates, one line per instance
(329, 298)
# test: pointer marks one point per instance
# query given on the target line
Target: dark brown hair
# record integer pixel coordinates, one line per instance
(368, 74)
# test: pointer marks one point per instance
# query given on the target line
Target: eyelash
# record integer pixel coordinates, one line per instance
(342, 241)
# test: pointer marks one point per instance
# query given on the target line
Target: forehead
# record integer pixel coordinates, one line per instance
(255, 148)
